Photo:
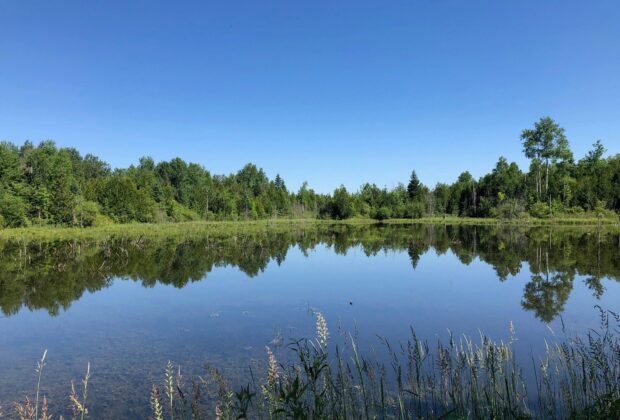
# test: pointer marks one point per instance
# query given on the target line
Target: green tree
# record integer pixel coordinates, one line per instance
(341, 204)
(414, 188)
(12, 210)
(545, 143)
(10, 171)
(442, 197)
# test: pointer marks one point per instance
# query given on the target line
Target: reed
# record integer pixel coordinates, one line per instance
(78, 404)
(576, 378)
(462, 378)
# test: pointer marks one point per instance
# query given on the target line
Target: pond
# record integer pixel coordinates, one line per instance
(128, 306)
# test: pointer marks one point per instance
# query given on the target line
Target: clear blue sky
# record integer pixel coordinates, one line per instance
(323, 91)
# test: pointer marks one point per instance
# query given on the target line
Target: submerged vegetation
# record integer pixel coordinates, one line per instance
(575, 378)
(46, 185)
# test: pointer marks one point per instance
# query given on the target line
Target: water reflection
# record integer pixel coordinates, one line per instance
(51, 275)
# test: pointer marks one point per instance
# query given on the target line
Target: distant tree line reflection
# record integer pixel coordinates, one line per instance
(51, 275)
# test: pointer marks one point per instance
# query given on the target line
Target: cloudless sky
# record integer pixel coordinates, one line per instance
(332, 92)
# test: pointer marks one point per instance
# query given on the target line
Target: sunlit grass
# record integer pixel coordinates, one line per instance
(226, 228)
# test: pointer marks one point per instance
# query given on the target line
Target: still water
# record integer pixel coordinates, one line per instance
(128, 306)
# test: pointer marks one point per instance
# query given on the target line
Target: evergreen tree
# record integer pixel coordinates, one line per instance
(414, 187)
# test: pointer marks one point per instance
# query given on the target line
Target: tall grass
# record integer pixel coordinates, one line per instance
(25, 410)
(460, 378)
(226, 228)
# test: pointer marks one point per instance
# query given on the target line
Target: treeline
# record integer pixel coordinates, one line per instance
(44, 184)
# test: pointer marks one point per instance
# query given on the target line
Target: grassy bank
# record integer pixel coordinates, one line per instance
(527, 221)
(576, 378)
(201, 228)
(148, 230)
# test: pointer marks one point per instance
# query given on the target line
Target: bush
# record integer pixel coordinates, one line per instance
(180, 213)
(540, 210)
(574, 211)
(508, 209)
(364, 209)
(101, 220)
(382, 213)
(414, 210)
(87, 212)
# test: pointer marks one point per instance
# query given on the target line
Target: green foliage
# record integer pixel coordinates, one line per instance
(88, 213)
(545, 144)
(508, 209)
(9, 164)
(382, 213)
(540, 210)
(340, 206)
(124, 202)
(12, 211)
(180, 213)
(413, 210)
(51, 185)
(414, 188)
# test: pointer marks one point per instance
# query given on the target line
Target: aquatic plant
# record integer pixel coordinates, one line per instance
(322, 333)
(78, 405)
(574, 378)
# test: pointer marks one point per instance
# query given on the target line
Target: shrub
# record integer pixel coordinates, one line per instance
(574, 211)
(414, 210)
(180, 213)
(101, 220)
(382, 213)
(86, 213)
(540, 210)
(509, 209)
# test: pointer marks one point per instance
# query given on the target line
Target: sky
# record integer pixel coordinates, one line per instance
(331, 92)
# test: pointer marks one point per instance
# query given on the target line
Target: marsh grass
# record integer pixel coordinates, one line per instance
(575, 378)
(228, 228)
(26, 410)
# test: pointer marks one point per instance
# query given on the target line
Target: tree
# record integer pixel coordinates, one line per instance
(341, 204)
(463, 195)
(596, 154)
(545, 143)
(442, 197)
(593, 177)
(10, 170)
(61, 185)
(12, 211)
(279, 183)
(414, 187)
(124, 202)
(46, 184)
(306, 197)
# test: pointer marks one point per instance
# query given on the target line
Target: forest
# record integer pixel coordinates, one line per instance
(47, 185)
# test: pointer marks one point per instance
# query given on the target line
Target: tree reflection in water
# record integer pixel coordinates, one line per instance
(51, 275)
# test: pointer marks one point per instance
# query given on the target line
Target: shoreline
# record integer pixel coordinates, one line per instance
(221, 228)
